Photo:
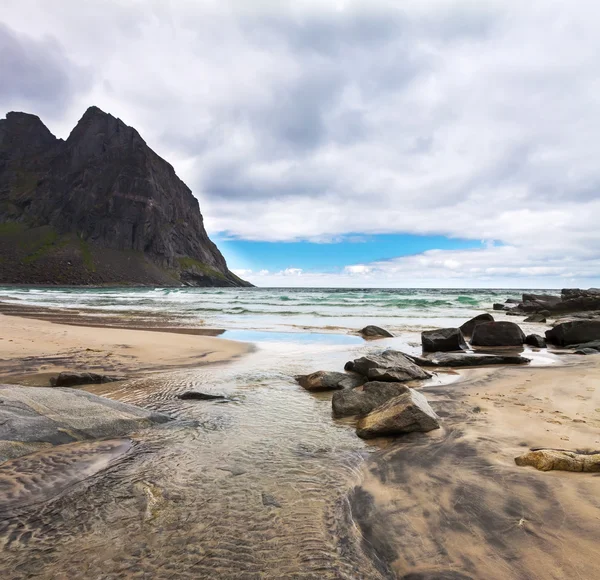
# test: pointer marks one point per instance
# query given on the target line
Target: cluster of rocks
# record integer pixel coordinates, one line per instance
(581, 303)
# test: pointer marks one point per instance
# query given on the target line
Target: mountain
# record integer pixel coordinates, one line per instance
(98, 208)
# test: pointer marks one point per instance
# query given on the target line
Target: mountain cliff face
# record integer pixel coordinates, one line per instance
(98, 208)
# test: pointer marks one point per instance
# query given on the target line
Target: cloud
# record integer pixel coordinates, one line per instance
(37, 74)
(311, 121)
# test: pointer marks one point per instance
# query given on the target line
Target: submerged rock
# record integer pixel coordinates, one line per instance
(38, 416)
(72, 379)
(403, 414)
(361, 402)
(328, 380)
(443, 339)
(468, 327)
(535, 340)
(372, 331)
(198, 396)
(574, 332)
(371, 366)
(501, 333)
(447, 359)
(561, 460)
(587, 351)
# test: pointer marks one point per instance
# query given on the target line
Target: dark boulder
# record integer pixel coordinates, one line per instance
(574, 332)
(405, 413)
(372, 331)
(468, 327)
(535, 318)
(390, 360)
(72, 379)
(535, 340)
(512, 301)
(501, 333)
(328, 380)
(550, 298)
(497, 306)
(198, 396)
(455, 360)
(443, 340)
(362, 401)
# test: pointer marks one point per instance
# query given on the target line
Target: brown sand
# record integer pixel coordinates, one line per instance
(453, 504)
(28, 345)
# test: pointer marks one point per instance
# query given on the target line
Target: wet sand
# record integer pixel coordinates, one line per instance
(28, 345)
(453, 504)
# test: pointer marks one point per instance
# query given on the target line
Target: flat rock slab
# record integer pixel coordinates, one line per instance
(561, 460)
(403, 414)
(33, 417)
(198, 396)
(71, 379)
(446, 359)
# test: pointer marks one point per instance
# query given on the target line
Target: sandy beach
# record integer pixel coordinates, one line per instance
(28, 345)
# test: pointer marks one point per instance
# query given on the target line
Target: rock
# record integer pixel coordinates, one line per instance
(362, 401)
(455, 360)
(269, 501)
(574, 332)
(198, 396)
(402, 414)
(349, 366)
(468, 327)
(375, 332)
(71, 379)
(99, 207)
(512, 301)
(498, 306)
(501, 333)
(442, 340)
(327, 380)
(535, 340)
(586, 351)
(592, 345)
(389, 360)
(550, 298)
(33, 417)
(535, 318)
(561, 460)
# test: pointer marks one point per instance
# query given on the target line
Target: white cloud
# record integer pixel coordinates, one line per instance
(312, 120)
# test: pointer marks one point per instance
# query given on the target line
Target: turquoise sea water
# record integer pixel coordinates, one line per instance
(273, 309)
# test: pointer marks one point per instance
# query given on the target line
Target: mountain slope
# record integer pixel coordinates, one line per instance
(98, 208)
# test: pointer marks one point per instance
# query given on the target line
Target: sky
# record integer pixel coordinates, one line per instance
(422, 143)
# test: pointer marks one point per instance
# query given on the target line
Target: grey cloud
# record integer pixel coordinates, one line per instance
(37, 73)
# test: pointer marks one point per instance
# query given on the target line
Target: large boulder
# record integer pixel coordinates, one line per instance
(574, 332)
(498, 306)
(33, 418)
(468, 327)
(371, 366)
(72, 379)
(550, 298)
(559, 459)
(455, 359)
(501, 333)
(362, 401)
(329, 380)
(372, 331)
(402, 414)
(535, 340)
(443, 340)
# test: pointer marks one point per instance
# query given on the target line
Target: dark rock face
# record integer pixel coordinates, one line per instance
(443, 339)
(468, 327)
(69, 379)
(404, 369)
(329, 380)
(574, 332)
(372, 331)
(498, 334)
(535, 340)
(403, 414)
(361, 402)
(111, 210)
